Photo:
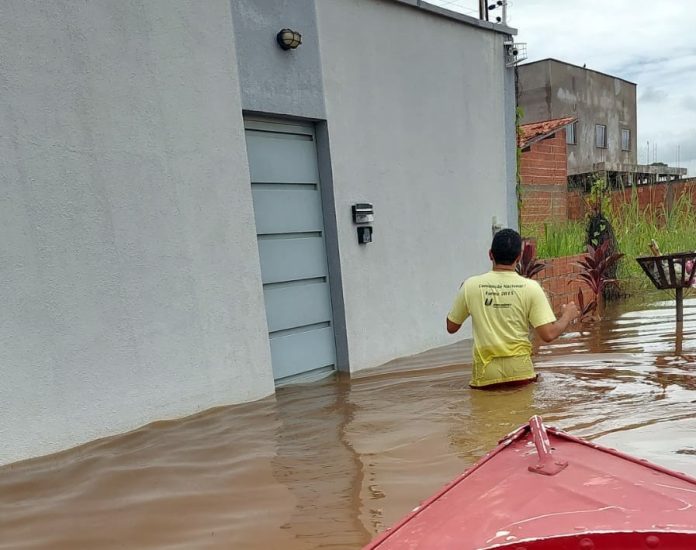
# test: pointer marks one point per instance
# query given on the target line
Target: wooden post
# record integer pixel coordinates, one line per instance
(680, 304)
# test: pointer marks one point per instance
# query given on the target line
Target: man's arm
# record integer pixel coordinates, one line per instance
(459, 311)
(550, 331)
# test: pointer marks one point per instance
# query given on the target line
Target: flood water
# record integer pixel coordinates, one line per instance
(330, 464)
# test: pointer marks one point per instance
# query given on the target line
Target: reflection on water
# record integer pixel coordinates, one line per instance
(329, 464)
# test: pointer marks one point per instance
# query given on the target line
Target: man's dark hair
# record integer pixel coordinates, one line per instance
(506, 246)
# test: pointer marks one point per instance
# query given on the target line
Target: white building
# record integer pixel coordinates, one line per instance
(175, 186)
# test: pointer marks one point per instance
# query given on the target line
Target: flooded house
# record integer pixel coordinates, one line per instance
(204, 200)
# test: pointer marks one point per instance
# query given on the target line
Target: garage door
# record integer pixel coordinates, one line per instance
(290, 230)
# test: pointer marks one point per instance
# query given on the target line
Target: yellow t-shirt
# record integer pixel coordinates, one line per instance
(502, 305)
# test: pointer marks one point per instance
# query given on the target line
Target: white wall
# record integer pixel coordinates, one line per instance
(416, 109)
(273, 80)
(129, 273)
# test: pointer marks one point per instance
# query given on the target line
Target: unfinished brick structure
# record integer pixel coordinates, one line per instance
(543, 172)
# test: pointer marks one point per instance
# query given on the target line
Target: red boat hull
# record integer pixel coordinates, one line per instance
(542, 489)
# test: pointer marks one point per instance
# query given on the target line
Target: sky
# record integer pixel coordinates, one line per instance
(649, 42)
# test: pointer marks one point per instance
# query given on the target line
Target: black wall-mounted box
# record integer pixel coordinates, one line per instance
(365, 234)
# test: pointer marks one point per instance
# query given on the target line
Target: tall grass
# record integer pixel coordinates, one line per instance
(557, 239)
(674, 231)
(634, 227)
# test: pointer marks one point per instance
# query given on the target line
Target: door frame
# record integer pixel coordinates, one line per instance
(320, 133)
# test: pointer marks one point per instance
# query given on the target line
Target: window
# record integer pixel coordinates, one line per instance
(570, 133)
(625, 139)
(600, 136)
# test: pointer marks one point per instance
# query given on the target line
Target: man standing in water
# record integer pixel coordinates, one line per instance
(503, 305)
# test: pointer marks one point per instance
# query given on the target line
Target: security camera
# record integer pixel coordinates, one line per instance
(514, 52)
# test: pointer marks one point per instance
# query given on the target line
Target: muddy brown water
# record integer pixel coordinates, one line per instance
(328, 465)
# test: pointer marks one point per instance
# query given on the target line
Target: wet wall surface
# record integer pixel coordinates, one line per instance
(330, 464)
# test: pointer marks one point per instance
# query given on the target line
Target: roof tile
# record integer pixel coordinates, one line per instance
(535, 131)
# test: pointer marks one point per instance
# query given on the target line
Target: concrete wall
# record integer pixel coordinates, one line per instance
(417, 120)
(129, 273)
(274, 81)
(510, 99)
(534, 91)
(550, 89)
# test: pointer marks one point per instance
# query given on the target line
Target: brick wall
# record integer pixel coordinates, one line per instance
(543, 203)
(543, 175)
(545, 161)
(649, 196)
(555, 281)
(576, 205)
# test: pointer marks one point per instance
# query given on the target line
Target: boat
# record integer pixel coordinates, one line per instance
(544, 489)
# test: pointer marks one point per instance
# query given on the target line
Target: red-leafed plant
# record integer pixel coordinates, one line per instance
(586, 309)
(528, 265)
(596, 267)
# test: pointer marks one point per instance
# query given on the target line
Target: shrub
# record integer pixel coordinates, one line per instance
(597, 266)
(528, 265)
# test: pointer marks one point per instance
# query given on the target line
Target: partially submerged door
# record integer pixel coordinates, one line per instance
(290, 229)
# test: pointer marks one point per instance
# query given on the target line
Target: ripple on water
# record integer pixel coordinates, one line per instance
(327, 465)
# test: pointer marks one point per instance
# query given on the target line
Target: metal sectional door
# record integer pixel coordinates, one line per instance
(290, 230)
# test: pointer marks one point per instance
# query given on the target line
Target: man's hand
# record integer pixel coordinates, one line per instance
(551, 331)
(570, 311)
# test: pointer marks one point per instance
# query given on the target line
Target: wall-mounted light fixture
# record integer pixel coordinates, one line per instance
(289, 39)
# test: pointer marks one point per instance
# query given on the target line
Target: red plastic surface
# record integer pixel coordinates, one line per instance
(601, 499)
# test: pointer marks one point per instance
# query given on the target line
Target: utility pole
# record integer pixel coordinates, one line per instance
(678, 153)
(483, 10)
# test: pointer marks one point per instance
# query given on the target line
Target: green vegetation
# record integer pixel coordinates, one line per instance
(633, 227)
(674, 232)
(519, 115)
(558, 239)
(600, 197)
